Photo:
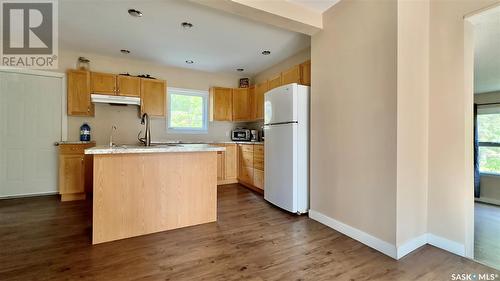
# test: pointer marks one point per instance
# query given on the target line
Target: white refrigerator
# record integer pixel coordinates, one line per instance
(286, 131)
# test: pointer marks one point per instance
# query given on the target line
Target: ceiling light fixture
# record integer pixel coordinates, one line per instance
(125, 51)
(135, 13)
(186, 25)
(266, 52)
(240, 69)
(189, 62)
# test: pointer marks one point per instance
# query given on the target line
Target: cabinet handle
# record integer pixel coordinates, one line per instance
(82, 159)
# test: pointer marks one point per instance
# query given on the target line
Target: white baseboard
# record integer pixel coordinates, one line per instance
(487, 200)
(385, 247)
(356, 234)
(28, 195)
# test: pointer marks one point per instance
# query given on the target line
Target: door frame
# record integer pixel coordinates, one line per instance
(45, 73)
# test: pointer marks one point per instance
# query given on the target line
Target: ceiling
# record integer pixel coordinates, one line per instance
(217, 42)
(487, 52)
(316, 5)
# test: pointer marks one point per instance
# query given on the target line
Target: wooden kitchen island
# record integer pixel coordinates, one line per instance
(140, 190)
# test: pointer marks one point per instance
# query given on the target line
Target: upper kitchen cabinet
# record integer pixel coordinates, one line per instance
(260, 90)
(291, 76)
(275, 82)
(305, 73)
(129, 86)
(221, 104)
(241, 104)
(103, 83)
(153, 97)
(78, 83)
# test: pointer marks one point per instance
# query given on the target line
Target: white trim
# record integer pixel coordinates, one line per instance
(28, 195)
(487, 200)
(363, 237)
(445, 244)
(64, 110)
(412, 245)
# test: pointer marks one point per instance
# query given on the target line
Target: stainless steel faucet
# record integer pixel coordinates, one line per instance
(146, 140)
(113, 129)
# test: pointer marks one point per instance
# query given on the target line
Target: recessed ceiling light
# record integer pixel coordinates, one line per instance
(189, 62)
(240, 69)
(186, 25)
(266, 52)
(125, 51)
(135, 13)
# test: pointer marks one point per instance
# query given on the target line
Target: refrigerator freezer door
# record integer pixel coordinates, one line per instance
(281, 166)
(280, 104)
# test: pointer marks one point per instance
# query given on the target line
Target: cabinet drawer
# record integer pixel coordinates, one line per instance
(246, 175)
(246, 159)
(258, 179)
(246, 147)
(258, 157)
(72, 149)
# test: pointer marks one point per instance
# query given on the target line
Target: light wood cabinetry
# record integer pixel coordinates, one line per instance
(227, 164)
(75, 171)
(305, 73)
(292, 75)
(258, 109)
(153, 97)
(258, 166)
(221, 104)
(103, 83)
(241, 104)
(129, 86)
(78, 90)
(275, 82)
(251, 166)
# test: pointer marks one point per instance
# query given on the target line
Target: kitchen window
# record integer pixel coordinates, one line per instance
(488, 125)
(187, 111)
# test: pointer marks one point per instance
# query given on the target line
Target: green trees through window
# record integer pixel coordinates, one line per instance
(187, 110)
(488, 126)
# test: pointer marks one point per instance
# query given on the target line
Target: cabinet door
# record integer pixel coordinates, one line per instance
(79, 93)
(305, 73)
(258, 178)
(241, 104)
(231, 162)
(103, 83)
(153, 97)
(245, 167)
(275, 82)
(71, 174)
(291, 76)
(221, 104)
(258, 166)
(220, 165)
(260, 90)
(128, 86)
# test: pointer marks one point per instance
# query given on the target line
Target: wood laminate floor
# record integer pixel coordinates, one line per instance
(44, 239)
(487, 234)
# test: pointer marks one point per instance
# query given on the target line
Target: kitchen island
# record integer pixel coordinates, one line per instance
(140, 190)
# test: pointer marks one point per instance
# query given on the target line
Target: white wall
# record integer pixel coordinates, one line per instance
(127, 118)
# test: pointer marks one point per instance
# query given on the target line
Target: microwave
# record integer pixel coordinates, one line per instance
(241, 135)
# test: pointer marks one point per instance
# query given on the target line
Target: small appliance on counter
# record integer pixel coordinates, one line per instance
(241, 134)
(85, 132)
(254, 135)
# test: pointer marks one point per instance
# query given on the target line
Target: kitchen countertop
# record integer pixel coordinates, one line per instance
(156, 148)
(207, 142)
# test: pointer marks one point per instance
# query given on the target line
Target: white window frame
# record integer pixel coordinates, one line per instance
(188, 92)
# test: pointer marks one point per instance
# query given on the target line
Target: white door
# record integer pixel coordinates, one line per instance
(280, 104)
(30, 123)
(281, 165)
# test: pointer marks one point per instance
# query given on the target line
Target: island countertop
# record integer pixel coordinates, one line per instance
(126, 149)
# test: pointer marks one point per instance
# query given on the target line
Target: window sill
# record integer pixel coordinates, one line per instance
(187, 131)
(489, 174)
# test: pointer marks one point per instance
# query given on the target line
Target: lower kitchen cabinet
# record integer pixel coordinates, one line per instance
(227, 164)
(251, 166)
(75, 171)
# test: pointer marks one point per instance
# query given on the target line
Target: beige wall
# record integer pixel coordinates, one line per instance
(450, 121)
(412, 128)
(127, 118)
(286, 64)
(353, 116)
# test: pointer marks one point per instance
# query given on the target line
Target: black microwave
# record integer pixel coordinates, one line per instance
(241, 135)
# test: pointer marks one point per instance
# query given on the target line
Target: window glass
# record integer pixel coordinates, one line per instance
(187, 111)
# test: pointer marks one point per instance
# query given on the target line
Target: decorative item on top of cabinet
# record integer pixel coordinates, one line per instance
(275, 82)
(78, 91)
(292, 75)
(221, 104)
(153, 97)
(258, 109)
(75, 171)
(305, 73)
(102, 83)
(129, 86)
(241, 104)
(244, 82)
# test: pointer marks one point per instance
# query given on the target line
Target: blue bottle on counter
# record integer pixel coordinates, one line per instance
(85, 132)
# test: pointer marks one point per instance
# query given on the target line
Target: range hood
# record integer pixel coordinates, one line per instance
(115, 99)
